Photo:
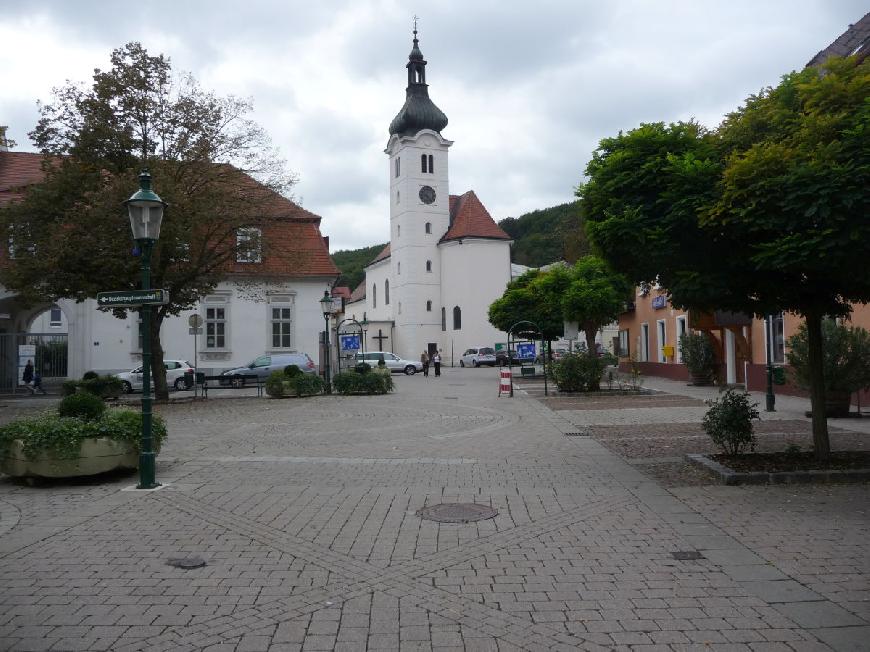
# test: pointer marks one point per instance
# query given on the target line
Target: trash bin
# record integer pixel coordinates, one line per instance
(200, 378)
(188, 379)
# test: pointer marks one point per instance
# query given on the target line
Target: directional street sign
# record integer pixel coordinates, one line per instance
(127, 298)
(194, 331)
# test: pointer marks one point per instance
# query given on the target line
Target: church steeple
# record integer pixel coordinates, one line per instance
(418, 112)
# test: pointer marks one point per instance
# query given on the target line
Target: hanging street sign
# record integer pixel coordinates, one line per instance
(129, 298)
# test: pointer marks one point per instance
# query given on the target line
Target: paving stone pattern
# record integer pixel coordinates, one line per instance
(305, 513)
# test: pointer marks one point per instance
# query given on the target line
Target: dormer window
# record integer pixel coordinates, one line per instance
(427, 163)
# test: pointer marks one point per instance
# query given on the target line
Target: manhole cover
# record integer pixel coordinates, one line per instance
(457, 512)
(187, 562)
(687, 554)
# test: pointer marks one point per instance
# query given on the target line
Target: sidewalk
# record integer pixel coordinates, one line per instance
(304, 512)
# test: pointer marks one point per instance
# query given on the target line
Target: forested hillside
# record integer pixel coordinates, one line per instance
(547, 235)
(352, 261)
(540, 237)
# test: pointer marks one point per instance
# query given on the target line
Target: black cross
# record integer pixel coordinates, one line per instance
(380, 337)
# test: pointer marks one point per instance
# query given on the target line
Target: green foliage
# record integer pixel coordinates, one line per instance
(547, 235)
(102, 386)
(362, 367)
(577, 373)
(279, 384)
(292, 370)
(351, 263)
(350, 382)
(84, 405)
(88, 375)
(68, 387)
(535, 296)
(62, 436)
(698, 356)
(729, 422)
(845, 357)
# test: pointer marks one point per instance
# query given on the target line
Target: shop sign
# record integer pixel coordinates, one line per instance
(659, 302)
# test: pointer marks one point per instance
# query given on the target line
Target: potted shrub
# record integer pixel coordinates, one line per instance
(699, 357)
(845, 359)
(83, 438)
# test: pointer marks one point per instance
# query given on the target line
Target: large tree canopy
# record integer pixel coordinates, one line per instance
(767, 213)
(70, 236)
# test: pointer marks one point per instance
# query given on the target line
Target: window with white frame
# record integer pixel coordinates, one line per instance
(428, 227)
(661, 340)
(643, 348)
(281, 322)
(682, 329)
(623, 344)
(216, 322)
(249, 247)
(55, 316)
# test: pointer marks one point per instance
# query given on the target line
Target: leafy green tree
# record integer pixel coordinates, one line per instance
(352, 263)
(70, 235)
(595, 297)
(547, 235)
(536, 297)
(767, 213)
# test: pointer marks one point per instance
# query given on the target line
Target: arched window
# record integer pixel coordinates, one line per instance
(428, 227)
(399, 268)
(374, 295)
(428, 306)
(443, 319)
(457, 318)
(428, 265)
(423, 163)
(398, 230)
(398, 166)
(431, 164)
(387, 292)
(427, 163)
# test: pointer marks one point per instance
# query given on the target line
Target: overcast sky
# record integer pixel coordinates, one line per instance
(529, 87)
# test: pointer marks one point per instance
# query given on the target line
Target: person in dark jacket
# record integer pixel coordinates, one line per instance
(27, 377)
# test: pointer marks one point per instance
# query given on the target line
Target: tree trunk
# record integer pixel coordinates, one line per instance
(821, 441)
(592, 352)
(158, 369)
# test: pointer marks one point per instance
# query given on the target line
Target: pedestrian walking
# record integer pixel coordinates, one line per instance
(436, 362)
(424, 360)
(27, 376)
(37, 383)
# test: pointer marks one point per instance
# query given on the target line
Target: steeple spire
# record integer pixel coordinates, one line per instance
(419, 112)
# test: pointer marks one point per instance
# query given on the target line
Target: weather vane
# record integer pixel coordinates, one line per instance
(416, 18)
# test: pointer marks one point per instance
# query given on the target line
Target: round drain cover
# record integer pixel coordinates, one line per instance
(187, 562)
(457, 512)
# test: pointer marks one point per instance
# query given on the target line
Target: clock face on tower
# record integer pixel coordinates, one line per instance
(427, 194)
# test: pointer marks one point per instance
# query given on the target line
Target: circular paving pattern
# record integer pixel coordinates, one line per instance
(457, 512)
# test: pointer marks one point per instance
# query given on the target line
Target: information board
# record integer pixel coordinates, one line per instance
(350, 342)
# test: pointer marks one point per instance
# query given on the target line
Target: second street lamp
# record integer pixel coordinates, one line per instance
(326, 307)
(145, 209)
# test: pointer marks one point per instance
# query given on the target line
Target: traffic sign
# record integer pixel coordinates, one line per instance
(129, 298)
(194, 331)
(194, 321)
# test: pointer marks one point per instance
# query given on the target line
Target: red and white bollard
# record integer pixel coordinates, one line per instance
(505, 384)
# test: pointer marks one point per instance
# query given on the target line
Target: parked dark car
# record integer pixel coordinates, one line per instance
(266, 364)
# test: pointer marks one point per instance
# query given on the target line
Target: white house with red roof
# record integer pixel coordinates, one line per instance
(447, 260)
(239, 326)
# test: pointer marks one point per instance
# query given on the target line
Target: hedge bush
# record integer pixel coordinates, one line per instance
(83, 405)
(292, 370)
(351, 382)
(729, 422)
(577, 372)
(279, 384)
(92, 383)
(308, 384)
(62, 436)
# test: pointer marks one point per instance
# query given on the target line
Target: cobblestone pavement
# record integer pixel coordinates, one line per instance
(305, 514)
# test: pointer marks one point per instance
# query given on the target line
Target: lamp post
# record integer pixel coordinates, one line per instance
(326, 307)
(365, 325)
(769, 399)
(145, 209)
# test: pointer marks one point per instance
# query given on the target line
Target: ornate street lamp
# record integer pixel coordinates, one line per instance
(326, 307)
(146, 213)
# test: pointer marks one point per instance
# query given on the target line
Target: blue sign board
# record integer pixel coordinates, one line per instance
(526, 351)
(350, 342)
(660, 301)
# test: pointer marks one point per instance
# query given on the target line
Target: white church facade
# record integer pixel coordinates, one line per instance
(447, 259)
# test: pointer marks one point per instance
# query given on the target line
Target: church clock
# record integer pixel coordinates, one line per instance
(427, 194)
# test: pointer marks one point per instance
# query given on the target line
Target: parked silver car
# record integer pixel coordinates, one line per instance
(394, 363)
(265, 365)
(476, 356)
(175, 370)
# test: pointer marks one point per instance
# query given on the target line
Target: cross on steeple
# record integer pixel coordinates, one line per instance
(416, 18)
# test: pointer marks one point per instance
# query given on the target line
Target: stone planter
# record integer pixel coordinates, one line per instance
(97, 455)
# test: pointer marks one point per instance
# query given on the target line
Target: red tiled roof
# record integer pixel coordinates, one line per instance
(359, 293)
(470, 219)
(385, 253)
(17, 171)
(341, 291)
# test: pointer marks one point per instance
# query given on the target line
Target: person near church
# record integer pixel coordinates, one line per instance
(424, 360)
(436, 362)
(37, 383)
(27, 376)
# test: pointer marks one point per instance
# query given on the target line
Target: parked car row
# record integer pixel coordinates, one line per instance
(175, 370)
(392, 361)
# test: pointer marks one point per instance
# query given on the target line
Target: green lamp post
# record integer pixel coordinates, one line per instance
(326, 307)
(146, 213)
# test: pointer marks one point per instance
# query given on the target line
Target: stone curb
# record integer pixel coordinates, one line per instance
(731, 477)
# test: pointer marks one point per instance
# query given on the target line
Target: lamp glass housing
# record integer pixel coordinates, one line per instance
(326, 304)
(145, 218)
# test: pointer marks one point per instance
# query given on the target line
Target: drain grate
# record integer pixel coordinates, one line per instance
(457, 512)
(585, 433)
(186, 562)
(684, 555)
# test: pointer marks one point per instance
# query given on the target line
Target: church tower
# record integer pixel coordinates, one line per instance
(419, 212)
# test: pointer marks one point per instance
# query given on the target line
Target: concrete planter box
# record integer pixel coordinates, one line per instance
(97, 455)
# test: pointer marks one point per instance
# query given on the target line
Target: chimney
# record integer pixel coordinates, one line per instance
(326, 242)
(4, 144)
